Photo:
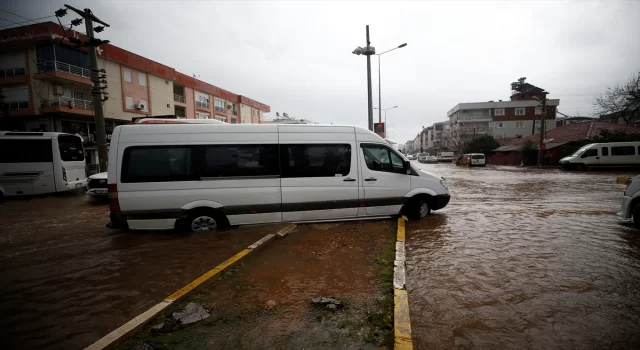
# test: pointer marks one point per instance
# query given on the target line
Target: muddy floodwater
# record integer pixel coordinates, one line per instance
(525, 259)
(66, 280)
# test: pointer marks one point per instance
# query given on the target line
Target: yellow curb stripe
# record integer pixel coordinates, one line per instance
(401, 229)
(216, 270)
(401, 321)
(129, 327)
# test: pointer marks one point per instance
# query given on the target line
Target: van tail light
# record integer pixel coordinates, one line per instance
(64, 174)
(114, 205)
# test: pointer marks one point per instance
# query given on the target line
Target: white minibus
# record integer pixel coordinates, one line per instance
(40, 162)
(201, 177)
(603, 155)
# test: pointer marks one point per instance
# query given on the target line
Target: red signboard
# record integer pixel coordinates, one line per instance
(379, 128)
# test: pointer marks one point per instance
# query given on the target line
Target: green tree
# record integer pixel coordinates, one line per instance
(615, 136)
(481, 144)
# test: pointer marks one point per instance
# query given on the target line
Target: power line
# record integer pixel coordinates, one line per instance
(4, 19)
(20, 23)
(11, 13)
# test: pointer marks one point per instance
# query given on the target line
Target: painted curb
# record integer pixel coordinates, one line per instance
(401, 316)
(283, 233)
(139, 321)
(129, 327)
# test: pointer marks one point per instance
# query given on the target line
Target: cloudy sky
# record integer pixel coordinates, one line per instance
(296, 56)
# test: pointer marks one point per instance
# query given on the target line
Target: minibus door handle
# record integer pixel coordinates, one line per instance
(349, 179)
(371, 179)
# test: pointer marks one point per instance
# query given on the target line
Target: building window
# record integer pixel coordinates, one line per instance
(129, 102)
(219, 105)
(240, 161)
(234, 121)
(520, 111)
(328, 160)
(127, 75)
(623, 151)
(519, 125)
(498, 111)
(538, 110)
(144, 104)
(200, 115)
(221, 118)
(142, 79)
(381, 158)
(202, 100)
(16, 98)
(156, 164)
(499, 125)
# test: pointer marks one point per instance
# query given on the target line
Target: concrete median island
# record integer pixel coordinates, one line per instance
(323, 286)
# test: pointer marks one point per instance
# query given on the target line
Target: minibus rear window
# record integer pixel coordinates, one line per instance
(477, 156)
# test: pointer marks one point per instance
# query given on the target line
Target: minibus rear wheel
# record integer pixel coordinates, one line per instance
(201, 220)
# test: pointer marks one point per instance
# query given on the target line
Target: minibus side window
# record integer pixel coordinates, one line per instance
(157, 164)
(605, 151)
(26, 151)
(320, 160)
(623, 151)
(381, 158)
(590, 153)
(240, 161)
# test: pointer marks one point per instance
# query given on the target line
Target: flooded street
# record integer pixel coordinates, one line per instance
(525, 259)
(66, 280)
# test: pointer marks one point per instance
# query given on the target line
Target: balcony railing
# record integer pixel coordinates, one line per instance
(219, 109)
(203, 104)
(62, 101)
(234, 112)
(179, 98)
(63, 67)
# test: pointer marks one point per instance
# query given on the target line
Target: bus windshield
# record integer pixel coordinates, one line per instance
(70, 148)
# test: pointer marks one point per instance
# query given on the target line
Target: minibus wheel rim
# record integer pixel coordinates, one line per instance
(424, 209)
(203, 223)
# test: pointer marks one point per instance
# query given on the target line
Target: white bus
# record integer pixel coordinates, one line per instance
(40, 162)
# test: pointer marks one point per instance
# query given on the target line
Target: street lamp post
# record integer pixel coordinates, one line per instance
(380, 83)
(368, 51)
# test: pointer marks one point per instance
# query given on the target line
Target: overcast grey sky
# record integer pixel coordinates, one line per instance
(296, 55)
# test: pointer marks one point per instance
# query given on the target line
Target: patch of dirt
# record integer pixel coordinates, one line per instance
(265, 301)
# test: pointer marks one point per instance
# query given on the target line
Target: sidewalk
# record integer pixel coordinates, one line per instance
(265, 301)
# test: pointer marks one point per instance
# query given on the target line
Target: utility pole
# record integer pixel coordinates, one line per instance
(543, 118)
(380, 98)
(96, 90)
(369, 81)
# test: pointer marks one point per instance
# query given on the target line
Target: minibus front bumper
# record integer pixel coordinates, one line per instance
(440, 201)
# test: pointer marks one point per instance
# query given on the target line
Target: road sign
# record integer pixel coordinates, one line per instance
(379, 128)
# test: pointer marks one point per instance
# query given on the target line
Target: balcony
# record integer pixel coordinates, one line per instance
(66, 105)
(203, 104)
(60, 70)
(179, 98)
(219, 109)
(234, 112)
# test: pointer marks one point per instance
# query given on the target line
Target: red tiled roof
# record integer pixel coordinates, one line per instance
(575, 132)
(505, 140)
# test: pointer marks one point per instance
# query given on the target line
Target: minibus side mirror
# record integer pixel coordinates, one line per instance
(406, 165)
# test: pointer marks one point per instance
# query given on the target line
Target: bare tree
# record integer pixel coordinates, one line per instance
(624, 99)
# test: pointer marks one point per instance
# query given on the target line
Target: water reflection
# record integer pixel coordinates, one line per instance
(525, 259)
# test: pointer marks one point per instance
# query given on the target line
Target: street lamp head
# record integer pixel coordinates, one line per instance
(394, 107)
(402, 45)
(358, 51)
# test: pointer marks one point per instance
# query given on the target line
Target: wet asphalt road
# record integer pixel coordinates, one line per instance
(525, 259)
(519, 259)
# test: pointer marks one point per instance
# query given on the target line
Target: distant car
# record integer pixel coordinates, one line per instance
(97, 185)
(422, 157)
(630, 208)
(430, 159)
(411, 157)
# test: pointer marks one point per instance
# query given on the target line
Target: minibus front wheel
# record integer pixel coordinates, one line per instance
(417, 207)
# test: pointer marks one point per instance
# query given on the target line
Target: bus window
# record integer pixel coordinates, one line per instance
(26, 151)
(70, 148)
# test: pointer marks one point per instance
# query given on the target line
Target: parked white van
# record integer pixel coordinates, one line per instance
(611, 154)
(201, 177)
(40, 162)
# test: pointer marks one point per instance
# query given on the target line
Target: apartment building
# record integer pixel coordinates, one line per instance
(45, 86)
(518, 117)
